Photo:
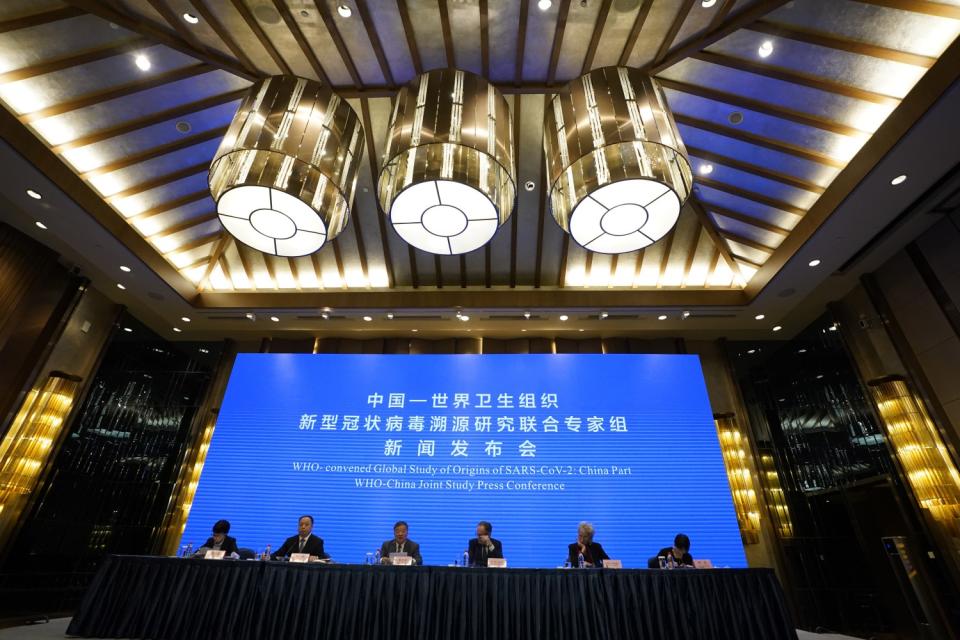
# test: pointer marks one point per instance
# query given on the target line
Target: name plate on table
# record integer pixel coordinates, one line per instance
(299, 557)
(401, 559)
(497, 563)
(703, 564)
(612, 564)
(214, 554)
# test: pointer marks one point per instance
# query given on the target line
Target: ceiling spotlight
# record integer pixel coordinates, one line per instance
(814, 263)
(41, 225)
(34, 194)
(121, 287)
(898, 180)
(685, 315)
(564, 318)
(706, 4)
(580, 329)
(765, 49)
(128, 329)
(414, 330)
(603, 315)
(344, 10)
(463, 318)
(124, 268)
(325, 316)
(389, 316)
(274, 319)
(543, 5)
(251, 316)
(202, 350)
(833, 327)
(142, 62)
(706, 169)
(367, 318)
(759, 316)
(529, 185)
(777, 328)
(526, 314)
(661, 317)
(176, 329)
(185, 319)
(192, 19)
(751, 351)
(614, 191)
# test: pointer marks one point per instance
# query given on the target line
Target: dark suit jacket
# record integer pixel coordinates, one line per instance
(686, 560)
(410, 547)
(229, 544)
(594, 555)
(479, 553)
(313, 546)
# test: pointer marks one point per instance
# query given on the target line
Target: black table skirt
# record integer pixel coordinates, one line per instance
(175, 599)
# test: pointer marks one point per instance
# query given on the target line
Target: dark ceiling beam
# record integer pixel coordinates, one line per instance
(408, 33)
(747, 242)
(760, 141)
(667, 244)
(521, 42)
(338, 42)
(169, 205)
(374, 171)
(121, 91)
(708, 225)
(840, 44)
(451, 55)
(161, 36)
(766, 108)
(213, 259)
(159, 181)
(200, 6)
(562, 13)
(338, 258)
(514, 221)
(193, 221)
(74, 60)
(305, 48)
(700, 42)
(682, 12)
(751, 195)
(261, 36)
(746, 219)
(156, 152)
(754, 169)
(122, 128)
(721, 14)
(938, 9)
(176, 23)
(375, 43)
(786, 75)
(691, 254)
(595, 38)
(638, 22)
(745, 260)
(198, 242)
(538, 269)
(38, 19)
(922, 96)
(484, 38)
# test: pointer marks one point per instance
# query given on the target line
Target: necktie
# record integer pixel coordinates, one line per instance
(302, 542)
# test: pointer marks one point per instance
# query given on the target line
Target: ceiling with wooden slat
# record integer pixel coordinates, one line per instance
(767, 137)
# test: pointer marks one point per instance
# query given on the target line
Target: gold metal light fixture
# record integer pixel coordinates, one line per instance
(734, 447)
(26, 448)
(449, 176)
(286, 171)
(776, 499)
(618, 171)
(930, 471)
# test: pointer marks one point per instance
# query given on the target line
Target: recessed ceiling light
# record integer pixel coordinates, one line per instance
(819, 376)
(185, 319)
(202, 350)
(801, 350)
(128, 329)
(752, 351)
(833, 327)
(579, 329)
(759, 316)
(526, 314)
(604, 315)
(124, 268)
(326, 309)
(706, 4)
(662, 317)
(389, 316)
(344, 10)
(564, 318)
(735, 117)
(706, 169)
(765, 49)
(177, 329)
(41, 225)
(529, 185)
(142, 62)
(192, 19)
(251, 316)
(685, 315)
(814, 263)
(414, 330)
(898, 180)
(183, 126)
(523, 330)
(274, 318)
(325, 316)
(121, 287)
(777, 328)
(34, 194)
(367, 318)
(543, 5)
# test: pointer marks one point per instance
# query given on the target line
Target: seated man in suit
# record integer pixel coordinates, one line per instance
(220, 540)
(303, 542)
(593, 553)
(680, 551)
(483, 546)
(400, 544)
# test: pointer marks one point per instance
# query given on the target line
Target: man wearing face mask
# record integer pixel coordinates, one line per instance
(483, 547)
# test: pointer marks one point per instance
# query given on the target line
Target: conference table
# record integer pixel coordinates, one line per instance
(174, 598)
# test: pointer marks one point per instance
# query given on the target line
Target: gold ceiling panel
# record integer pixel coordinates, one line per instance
(767, 136)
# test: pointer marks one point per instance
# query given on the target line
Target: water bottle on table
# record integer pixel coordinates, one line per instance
(376, 557)
(466, 558)
(580, 561)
